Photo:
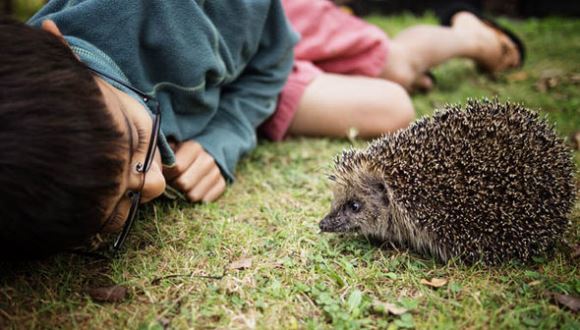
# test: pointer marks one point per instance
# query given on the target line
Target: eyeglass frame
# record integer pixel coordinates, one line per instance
(143, 168)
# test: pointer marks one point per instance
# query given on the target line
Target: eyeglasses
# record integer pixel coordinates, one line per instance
(143, 168)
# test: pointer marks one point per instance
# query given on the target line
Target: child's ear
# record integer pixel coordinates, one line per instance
(50, 27)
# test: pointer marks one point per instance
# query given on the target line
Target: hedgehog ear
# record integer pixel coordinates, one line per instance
(380, 187)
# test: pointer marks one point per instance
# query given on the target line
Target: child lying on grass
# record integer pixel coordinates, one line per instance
(103, 104)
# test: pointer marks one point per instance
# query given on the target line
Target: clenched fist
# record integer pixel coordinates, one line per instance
(195, 173)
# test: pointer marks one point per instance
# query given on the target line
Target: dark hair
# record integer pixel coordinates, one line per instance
(60, 149)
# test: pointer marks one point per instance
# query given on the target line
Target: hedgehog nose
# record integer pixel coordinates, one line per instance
(326, 224)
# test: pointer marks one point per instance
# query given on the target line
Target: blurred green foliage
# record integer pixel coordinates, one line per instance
(23, 9)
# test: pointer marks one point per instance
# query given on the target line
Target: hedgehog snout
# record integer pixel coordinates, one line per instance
(336, 223)
(328, 224)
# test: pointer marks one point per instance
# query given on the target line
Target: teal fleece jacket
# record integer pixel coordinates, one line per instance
(216, 66)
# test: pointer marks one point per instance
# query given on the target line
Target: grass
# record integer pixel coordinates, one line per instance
(301, 279)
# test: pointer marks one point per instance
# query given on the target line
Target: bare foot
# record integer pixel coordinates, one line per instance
(492, 49)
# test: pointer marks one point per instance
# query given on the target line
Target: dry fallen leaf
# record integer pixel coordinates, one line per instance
(388, 308)
(571, 302)
(395, 310)
(240, 264)
(548, 80)
(110, 294)
(435, 282)
(279, 264)
(575, 251)
(518, 76)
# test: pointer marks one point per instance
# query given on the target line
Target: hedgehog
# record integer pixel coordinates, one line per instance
(489, 182)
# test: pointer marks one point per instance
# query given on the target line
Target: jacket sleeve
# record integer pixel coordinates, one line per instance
(245, 103)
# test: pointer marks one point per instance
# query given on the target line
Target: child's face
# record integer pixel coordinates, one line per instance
(132, 119)
(136, 124)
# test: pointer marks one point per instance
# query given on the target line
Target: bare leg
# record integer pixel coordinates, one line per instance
(415, 50)
(332, 104)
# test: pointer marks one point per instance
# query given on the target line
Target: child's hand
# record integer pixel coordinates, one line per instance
(195, 173)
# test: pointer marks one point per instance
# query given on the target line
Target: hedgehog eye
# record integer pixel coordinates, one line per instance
(354, 206)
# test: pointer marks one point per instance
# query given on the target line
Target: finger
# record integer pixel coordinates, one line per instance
(185, 154)
(205, 184)
(424, 83)
(200, 168)
(216, 191)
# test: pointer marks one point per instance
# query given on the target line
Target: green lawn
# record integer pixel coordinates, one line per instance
(177, 265)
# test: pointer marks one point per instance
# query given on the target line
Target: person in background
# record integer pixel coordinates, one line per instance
(348, 73)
